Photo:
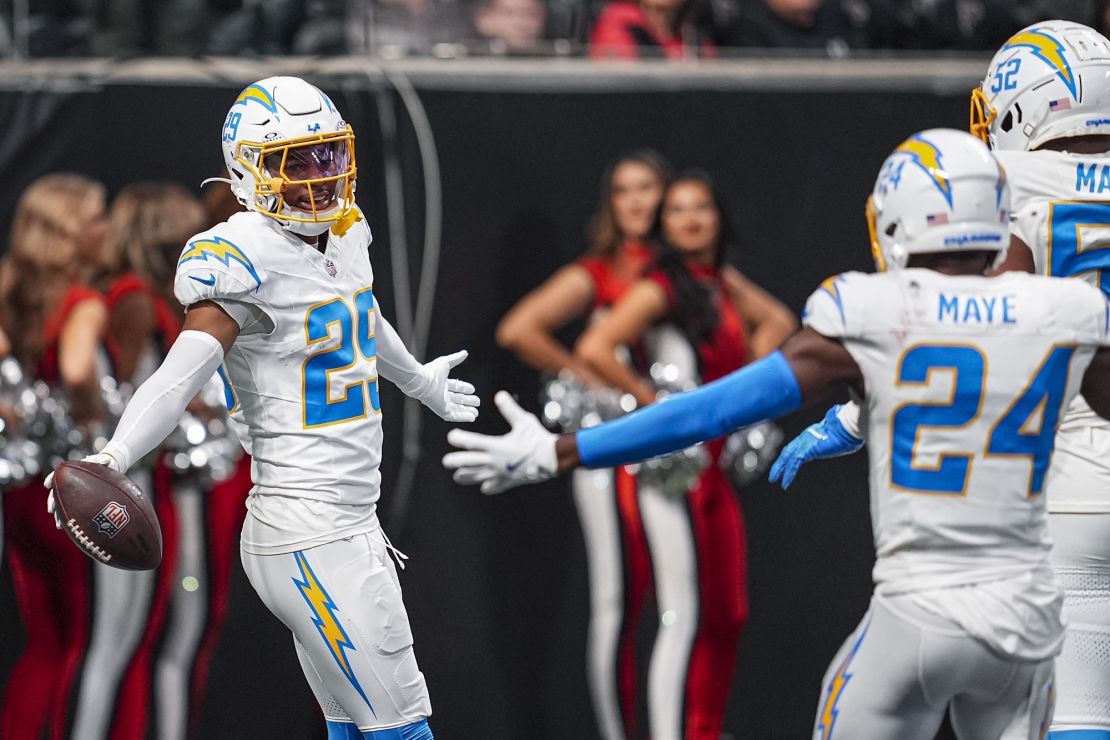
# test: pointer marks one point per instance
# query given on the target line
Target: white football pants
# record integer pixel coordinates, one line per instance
(1081, 563)
(902, 668)
(342, 601)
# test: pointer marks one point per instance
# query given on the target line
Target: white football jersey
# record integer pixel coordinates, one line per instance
(966, 379)
(302, 384)
(1061, 210)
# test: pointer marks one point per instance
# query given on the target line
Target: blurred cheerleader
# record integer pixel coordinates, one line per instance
(616, 552)
(703, 319)
(148, 226)
(56, 326)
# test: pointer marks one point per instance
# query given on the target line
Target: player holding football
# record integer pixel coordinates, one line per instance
(279, 300)
(964, 379)
(1044, 107)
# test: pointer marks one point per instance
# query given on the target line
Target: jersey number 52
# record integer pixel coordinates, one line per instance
(1079, 240)
(355, 331)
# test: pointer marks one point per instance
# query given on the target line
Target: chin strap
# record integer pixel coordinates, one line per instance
(346, 221)
(215, 179)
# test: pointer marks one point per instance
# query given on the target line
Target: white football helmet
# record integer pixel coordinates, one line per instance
(291, 156)
(941, 190)
(1049, 81)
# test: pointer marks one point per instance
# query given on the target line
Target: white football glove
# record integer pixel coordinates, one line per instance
(99, 458)
(450, 399)
(525, 455)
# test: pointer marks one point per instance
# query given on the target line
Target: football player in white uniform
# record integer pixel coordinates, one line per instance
(280, 301)
(963, 380)
(1044, 107)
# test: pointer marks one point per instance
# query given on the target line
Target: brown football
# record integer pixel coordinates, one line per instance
(107, 516)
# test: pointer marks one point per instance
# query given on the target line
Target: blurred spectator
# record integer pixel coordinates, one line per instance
(650, 28)
(251, 27)
(965, 25)
(1087, 12)
(396, 28)
(624, 28)
(510, 25)
(796, 24)
(1102, 17)
(948, 24)
(53, 28)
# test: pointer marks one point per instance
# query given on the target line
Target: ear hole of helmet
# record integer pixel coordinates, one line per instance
(889, 230)
(1007, 122)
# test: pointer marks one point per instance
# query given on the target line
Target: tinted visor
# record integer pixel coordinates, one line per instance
(306, 162)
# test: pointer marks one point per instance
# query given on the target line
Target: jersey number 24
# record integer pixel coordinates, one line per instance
(1026, 428)
(355, 332)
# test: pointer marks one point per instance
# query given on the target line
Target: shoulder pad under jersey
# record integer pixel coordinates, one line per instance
(214, 266)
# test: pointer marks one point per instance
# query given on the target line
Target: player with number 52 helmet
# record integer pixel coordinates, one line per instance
(1048, 81)
(1044, 106)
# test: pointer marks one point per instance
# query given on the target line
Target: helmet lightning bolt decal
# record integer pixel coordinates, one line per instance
(836, 686)
(257, 94)
(925, 155)
(222, 250)
(1048, 50)
(323, 616)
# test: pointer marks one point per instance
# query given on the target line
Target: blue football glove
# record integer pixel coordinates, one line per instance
(827, 438)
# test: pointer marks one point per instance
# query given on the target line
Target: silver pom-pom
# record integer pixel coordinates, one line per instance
(569, 405)
(750, 451)
(673, 474)
(20, 454)
(204, 447)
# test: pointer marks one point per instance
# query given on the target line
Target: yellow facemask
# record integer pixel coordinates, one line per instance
(280, 165)
(872, 214)
(982, 116)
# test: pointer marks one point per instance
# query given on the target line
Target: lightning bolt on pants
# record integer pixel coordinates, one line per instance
(903, 668)
(342, 602)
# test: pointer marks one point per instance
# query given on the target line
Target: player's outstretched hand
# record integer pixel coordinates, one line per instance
(449, 398)
(525, 455)
(98, 459)
(827, 438)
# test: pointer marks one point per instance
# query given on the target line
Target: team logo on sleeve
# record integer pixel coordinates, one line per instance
(112, 518)
(1048, 50)
(221, 250)
(925, 155)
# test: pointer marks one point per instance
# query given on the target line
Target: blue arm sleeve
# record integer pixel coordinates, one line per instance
(763, 390)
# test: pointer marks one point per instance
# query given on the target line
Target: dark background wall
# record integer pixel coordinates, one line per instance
(496, 587)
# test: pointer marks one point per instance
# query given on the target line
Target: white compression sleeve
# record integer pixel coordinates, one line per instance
(157, 405)
(849, 418)
(395, 363)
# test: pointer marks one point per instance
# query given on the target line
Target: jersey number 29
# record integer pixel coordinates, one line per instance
(355, 331)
